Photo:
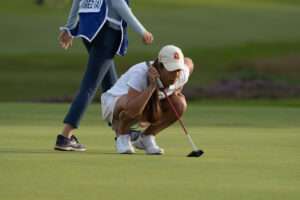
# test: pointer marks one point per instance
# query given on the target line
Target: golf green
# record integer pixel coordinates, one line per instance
(251, 152)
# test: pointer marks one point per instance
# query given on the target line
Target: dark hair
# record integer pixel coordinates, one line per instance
(153, 107)
(158, 65)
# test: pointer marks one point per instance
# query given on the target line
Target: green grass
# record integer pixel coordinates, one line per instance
(216, 34)
(252, 152)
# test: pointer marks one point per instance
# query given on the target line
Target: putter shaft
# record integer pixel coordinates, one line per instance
(160, 85)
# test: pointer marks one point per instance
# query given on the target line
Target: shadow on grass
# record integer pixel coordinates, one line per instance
(24, 151)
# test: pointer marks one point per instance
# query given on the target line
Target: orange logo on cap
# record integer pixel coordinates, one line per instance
(176, 56)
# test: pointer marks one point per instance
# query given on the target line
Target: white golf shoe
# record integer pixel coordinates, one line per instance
(148, 143)
(123, 145)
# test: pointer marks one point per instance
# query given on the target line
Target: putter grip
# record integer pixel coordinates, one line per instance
(159, 83)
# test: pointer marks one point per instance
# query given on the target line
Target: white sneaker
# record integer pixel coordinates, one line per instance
(123, 145)
(148, 143)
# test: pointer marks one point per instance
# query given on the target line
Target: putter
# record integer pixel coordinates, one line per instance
(196, 152)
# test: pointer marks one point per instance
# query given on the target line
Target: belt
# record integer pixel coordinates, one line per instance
(114, 24)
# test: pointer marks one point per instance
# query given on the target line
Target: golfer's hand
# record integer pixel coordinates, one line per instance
(153, 75)
(148, 38)
(65, 40)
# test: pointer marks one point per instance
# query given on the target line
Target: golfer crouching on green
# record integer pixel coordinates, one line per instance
(136, 99)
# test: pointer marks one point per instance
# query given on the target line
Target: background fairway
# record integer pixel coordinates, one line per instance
(217, 34)
(252, 152)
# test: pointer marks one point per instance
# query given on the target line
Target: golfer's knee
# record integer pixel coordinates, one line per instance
(179, 103)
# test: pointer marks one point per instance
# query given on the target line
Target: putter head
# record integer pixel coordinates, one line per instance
(197, 153)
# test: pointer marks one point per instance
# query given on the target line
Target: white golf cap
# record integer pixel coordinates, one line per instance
(171, 57)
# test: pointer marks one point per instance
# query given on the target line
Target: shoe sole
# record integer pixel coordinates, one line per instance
(127, 152)
(155, 154)
(162, 151)
(58, 148)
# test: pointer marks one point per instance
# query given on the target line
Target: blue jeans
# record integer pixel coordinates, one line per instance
(100, 70)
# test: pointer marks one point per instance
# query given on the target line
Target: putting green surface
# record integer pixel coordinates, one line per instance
(251, 152)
